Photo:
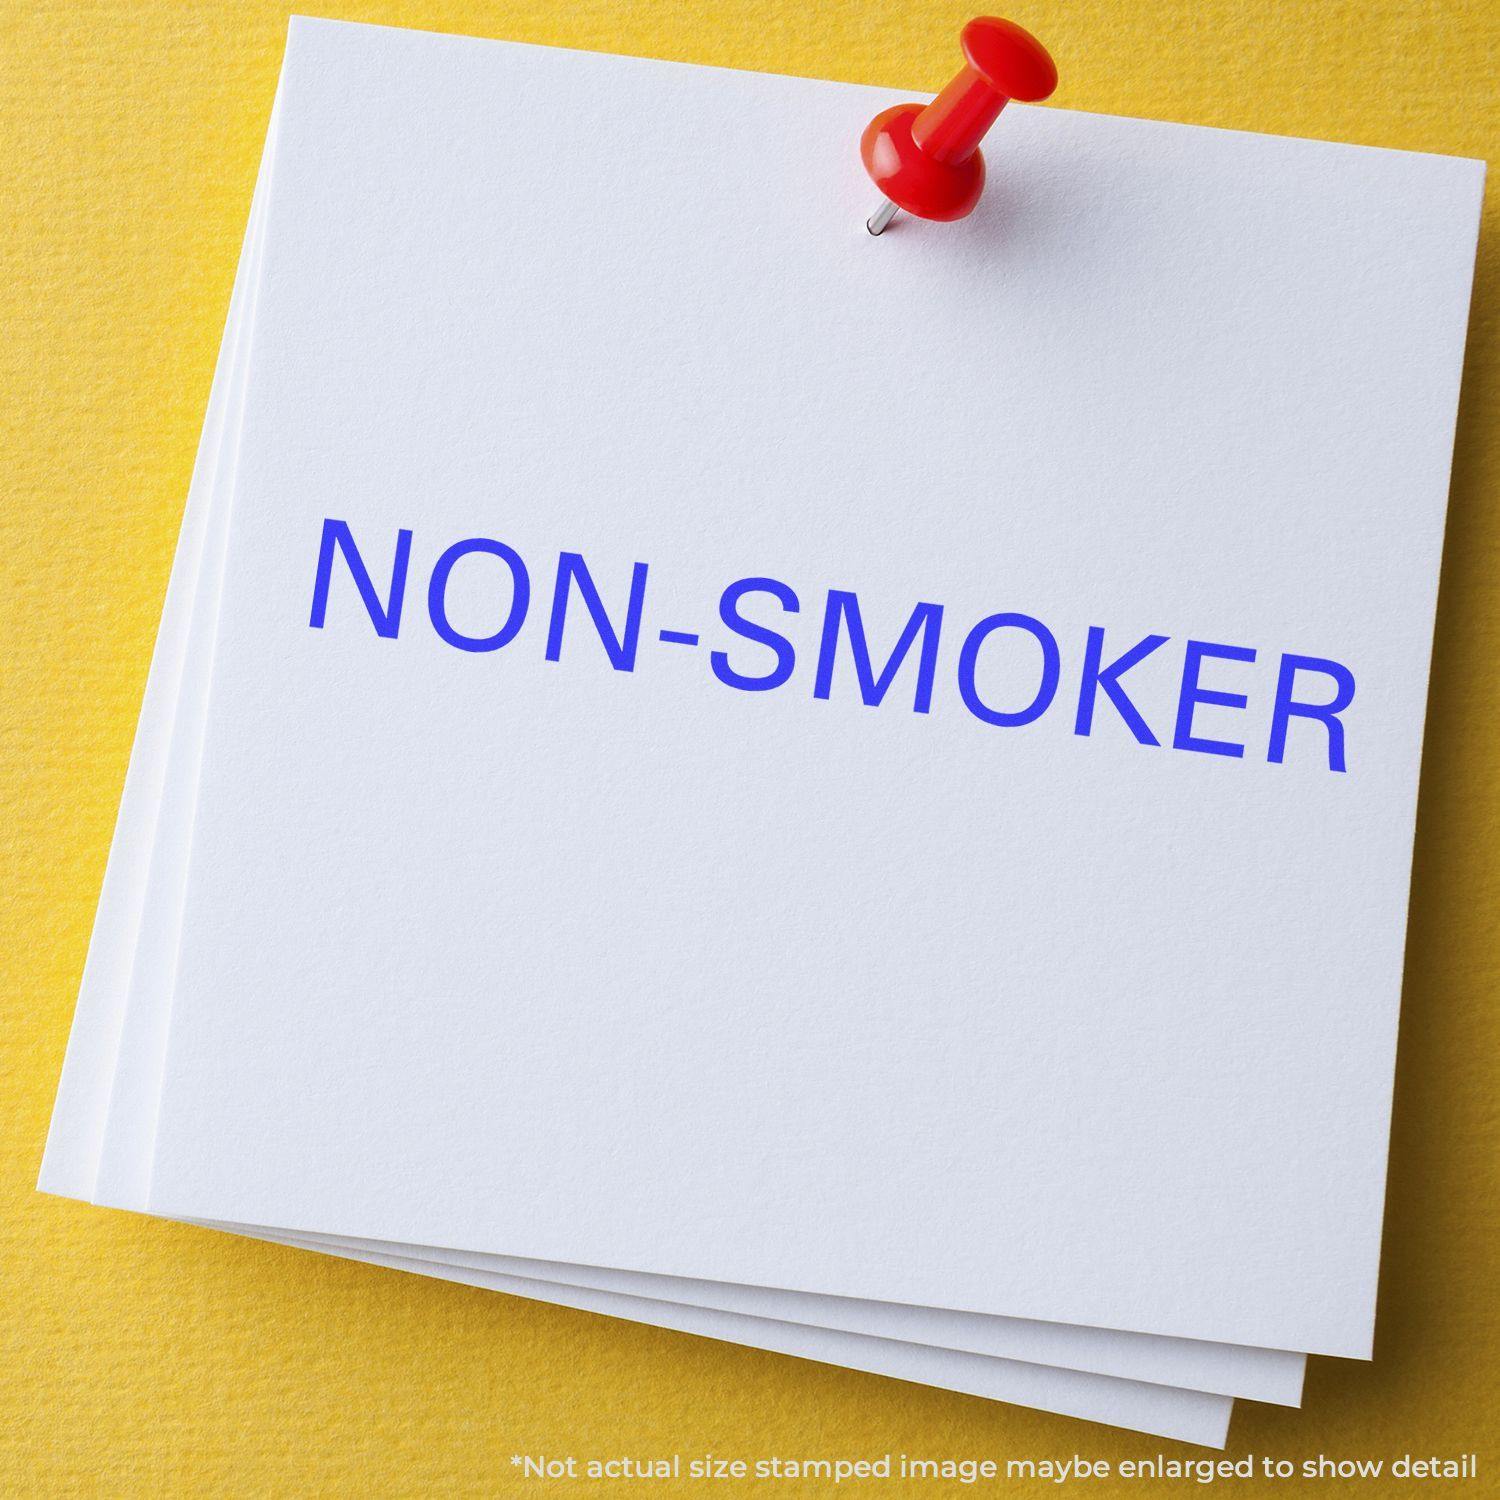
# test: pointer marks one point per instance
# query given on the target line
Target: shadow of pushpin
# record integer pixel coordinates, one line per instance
(926, 159)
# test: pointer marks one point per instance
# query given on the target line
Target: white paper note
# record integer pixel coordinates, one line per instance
(904, 1005)
(1172, 381)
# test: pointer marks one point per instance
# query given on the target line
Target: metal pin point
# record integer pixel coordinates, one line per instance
(881, 217)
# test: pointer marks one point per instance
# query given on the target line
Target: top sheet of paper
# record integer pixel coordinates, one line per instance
(518, 924)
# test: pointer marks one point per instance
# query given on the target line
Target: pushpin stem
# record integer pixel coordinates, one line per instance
(881, 217)
(952, 126)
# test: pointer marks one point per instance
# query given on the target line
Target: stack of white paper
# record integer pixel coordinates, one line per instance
(853, 796)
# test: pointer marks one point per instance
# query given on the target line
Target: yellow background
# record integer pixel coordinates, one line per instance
(144, 1358)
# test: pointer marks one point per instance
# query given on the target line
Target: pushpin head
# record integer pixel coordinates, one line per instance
(926, 159)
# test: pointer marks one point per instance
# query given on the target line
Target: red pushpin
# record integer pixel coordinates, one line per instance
(926, 160)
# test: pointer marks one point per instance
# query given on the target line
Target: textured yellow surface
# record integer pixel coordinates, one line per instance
(145, 1358)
